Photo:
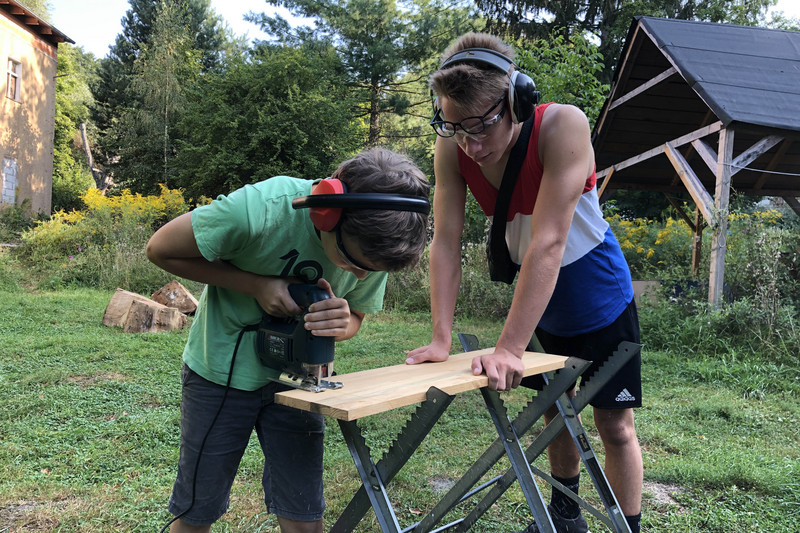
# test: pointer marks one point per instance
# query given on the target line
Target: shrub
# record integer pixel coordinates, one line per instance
(103, 245)
(14, 220)
(478, 297)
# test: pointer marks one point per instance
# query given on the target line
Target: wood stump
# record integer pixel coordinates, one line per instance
(173, 294)
(135, 313)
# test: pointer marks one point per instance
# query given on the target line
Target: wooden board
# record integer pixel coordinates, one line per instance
(377, 390)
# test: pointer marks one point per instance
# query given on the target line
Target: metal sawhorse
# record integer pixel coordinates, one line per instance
(375, 477)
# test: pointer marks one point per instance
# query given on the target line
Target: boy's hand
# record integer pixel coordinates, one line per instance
(434, 352)
(328, 318)
(503, 368)
(272, 294)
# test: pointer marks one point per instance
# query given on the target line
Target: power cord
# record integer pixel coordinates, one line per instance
(213, 422)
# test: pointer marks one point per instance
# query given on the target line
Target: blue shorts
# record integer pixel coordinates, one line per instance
(624, 390)
(292, 442)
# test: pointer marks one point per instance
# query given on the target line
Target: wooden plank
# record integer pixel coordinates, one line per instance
(701, 198)
(754, 152)
(375, 391)
(722, 191)
(642, 88)
(792, 202)
(606, 181)
(707, 154)
(782, 149)
(658, 150)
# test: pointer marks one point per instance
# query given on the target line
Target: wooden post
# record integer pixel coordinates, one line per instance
(697, 246)
(721, 203)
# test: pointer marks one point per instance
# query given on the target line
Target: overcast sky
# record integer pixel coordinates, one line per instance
(94, 24)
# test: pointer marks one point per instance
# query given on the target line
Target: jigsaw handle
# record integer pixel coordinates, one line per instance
(305, 294)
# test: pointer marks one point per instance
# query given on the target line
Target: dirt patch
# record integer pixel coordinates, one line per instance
(662, 494)
(85, 382)
(440, 484)
(22, 516)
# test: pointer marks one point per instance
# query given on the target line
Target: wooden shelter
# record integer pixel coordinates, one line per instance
(705, 108)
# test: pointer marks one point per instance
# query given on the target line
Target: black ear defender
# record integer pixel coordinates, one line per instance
(522, 94)
(330, 197)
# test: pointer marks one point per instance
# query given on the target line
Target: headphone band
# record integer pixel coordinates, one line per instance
(482, 55)
(392, 202)
(522, 94)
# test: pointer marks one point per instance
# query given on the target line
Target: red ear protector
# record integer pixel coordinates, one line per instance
(330, 197)
(522, 94)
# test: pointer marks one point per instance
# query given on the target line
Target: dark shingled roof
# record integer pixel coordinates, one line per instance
(744, 74)
(676, 76)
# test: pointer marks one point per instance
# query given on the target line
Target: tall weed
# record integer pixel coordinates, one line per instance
(478, 296)
(103, 245)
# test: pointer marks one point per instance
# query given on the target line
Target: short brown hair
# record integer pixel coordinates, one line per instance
(392, 240)
(472, 86)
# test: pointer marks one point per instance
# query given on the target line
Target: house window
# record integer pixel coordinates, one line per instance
(8, 177)
(14, 80)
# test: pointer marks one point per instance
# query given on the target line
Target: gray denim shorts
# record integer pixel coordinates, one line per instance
(292, 442)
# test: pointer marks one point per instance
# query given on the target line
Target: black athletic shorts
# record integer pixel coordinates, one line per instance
(624, 390)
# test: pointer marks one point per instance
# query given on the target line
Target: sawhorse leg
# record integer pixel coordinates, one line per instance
(607, 370)
(463, 488)
(375, 477)
(519, 463)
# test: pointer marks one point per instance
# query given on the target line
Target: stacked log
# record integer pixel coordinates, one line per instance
(165, 311)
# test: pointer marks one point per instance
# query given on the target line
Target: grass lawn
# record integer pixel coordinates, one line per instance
(89, 430)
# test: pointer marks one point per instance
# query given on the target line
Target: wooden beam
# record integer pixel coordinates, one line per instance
(692, 183)
(706, 153)
(722, 191)
(642, 88)
(773, 162)
(605, 184)
(687, 152)
(754, 152)
(679, 208)
(680, 141)
(792, 202)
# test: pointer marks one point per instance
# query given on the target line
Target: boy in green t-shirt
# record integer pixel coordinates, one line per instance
(248, 247)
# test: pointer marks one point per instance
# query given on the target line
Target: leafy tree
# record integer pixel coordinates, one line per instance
(284, 110)
(566, 72)
(114, 91)
(166, 65)
(42, 8)
(609, 20)
(387, 47)
(71, 175)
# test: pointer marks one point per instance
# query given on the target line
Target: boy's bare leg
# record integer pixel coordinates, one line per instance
(623, 466)
(179, 526)
(295, 526)
(287, 526)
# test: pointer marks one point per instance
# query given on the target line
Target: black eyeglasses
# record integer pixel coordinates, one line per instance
(471, 126)
(349, 259)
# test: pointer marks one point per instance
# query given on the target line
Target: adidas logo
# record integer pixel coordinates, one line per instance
(625, 396)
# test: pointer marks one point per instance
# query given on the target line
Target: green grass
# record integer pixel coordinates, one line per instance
(89, 429)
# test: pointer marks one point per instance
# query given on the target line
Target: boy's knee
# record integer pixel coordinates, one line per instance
(616, 427)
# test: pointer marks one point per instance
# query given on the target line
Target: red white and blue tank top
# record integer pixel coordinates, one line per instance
(594, 282)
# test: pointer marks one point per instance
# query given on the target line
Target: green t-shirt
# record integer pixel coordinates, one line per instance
(256, 229)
